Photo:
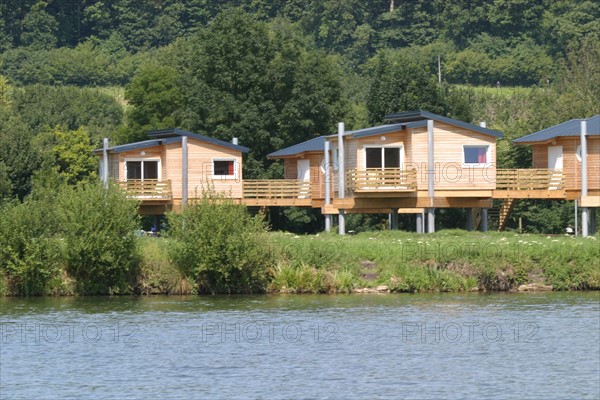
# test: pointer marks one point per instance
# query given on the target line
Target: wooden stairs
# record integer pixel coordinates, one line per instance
(504, 212)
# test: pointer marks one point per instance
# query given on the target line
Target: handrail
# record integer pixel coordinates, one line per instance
(376, 179)
(277, 189)
(147, 189)
(529, 179)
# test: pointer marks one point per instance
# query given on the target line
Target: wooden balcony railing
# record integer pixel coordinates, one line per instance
(277, 189)
(147, 189)
(529, 179)
(375, 179)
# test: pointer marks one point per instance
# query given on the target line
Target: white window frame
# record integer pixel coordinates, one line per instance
(473, 146)
(142, 160)
(400, 147)
(224, 177)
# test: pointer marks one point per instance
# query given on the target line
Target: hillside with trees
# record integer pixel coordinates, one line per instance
(274, 73)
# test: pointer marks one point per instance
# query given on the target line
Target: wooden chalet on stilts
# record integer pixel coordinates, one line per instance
(417, 162)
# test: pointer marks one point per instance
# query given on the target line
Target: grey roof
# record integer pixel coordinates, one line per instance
(166, 136)
(421, 115)
(174, 132)
(139, 145)
(568, 128)
(315, 144)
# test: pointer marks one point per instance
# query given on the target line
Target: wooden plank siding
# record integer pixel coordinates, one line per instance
(571, 165)
(450, 174)
(200, 165)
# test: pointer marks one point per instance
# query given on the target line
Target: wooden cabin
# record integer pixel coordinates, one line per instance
(388, 167)
(558, 149)
(172, 166)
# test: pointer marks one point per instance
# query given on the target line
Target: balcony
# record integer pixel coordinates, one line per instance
(147, 189)
(277, 192)
(531, 183)
(381, 180)
(529, 179)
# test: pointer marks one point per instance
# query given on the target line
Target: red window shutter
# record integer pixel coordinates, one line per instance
(230, 168)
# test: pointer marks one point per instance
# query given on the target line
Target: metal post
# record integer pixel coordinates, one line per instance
(184, 170)
(342, 222)
(584, 181)
(576, 217)
(105, 162)
(484, 220)
(327, 185)
(341, 162)
(430, 177)
(341, 178)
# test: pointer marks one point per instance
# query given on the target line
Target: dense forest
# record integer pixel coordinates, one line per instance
(274, 73)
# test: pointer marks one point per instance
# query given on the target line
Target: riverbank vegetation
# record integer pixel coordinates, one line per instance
(85, 242)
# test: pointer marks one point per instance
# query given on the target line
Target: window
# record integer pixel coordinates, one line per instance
(382, 157)
(475, 154)
(142, 169)
(224, 169)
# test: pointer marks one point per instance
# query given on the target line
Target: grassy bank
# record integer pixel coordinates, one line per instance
(405, 262)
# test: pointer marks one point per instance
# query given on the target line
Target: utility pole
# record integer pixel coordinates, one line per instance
(439, 69)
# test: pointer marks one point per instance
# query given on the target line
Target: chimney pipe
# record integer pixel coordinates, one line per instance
(234, 140)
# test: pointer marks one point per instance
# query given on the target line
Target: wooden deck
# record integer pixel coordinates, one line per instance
(148, 189)
(374, 180)
(531, 183)
(277, 192)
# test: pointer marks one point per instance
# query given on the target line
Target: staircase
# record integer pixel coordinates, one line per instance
(504, 212)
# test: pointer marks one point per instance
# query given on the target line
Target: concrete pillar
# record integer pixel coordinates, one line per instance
(342, 222)
(469, 219)
(576, 218)
(431, 220)
(328, 218)
(484, 220)
(393, 219)
(585, 222)
(592, 221)
(419, 222)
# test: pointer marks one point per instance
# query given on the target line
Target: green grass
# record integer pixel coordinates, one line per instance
(492, 91)
(451, 260)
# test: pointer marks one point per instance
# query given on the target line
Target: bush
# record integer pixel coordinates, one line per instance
(30, 256)
(99, 229)
(219, 245)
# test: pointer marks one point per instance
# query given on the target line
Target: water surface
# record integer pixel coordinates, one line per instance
(452, 346)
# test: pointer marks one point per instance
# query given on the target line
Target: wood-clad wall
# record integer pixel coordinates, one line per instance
(200, 165)
(571, 165)
(317, 176)
(448, 156)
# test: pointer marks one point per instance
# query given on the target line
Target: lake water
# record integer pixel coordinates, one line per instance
(451, 346)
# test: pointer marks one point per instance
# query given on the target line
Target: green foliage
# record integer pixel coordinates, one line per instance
(99, 230)
(156, 96)
(30, 255)
(39, 27)
(401, 84)
(74, 157)
(220, 246)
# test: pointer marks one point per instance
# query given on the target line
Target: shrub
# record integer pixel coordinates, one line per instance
(219, 245)
(30, 257)
(99, 229)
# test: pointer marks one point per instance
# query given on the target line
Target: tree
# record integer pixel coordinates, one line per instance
(156, 98)
(74, 158)
(39, 28)
(400, 84)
